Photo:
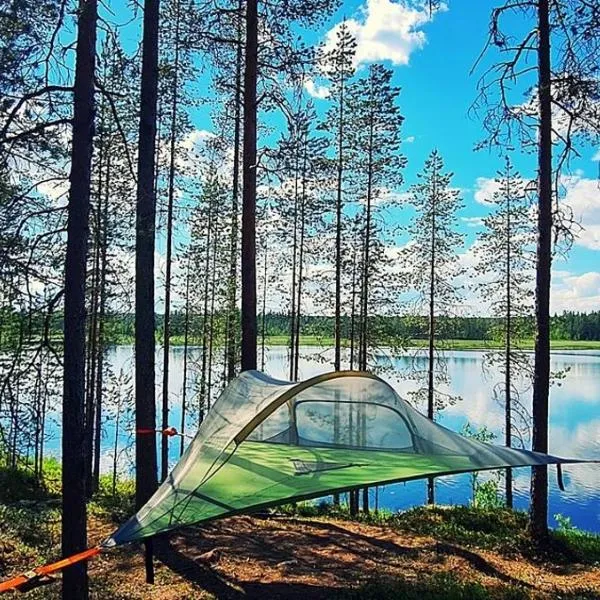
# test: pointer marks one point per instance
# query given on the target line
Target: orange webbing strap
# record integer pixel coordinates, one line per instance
(39, 572)
(169, 431)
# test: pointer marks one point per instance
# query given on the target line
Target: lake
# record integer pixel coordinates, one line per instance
(574, 421)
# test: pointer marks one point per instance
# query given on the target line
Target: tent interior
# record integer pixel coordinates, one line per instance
(266, 442)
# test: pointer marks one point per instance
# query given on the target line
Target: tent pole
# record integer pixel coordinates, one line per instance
(148, 559)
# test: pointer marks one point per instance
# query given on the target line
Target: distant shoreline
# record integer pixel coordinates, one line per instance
(454, 345)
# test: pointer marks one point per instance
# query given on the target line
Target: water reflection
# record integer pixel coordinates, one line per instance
(574, 419)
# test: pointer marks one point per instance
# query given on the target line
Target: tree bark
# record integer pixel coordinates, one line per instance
(431, 349)
(249, 327)
(145, 408)
(164, 447)
(507, 334)
(74, 522)
(185, 359)
(233, 257)
(541, 375)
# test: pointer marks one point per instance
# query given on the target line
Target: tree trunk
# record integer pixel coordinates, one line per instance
(292, 343)
(541, 375)
(431, 350)
(233, 257)
(249, 328)
(164, 446)
(185, 359)
(264, 310)
(74, 522)
(145, 408)
(101, 342)
(300, 259)
(508, 333)
(209, 232)
(338, 236)
(365, 288)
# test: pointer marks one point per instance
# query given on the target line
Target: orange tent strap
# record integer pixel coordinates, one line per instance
(169, 431)
(15, 582)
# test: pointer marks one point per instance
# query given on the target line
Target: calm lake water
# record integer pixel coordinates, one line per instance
(574, 421)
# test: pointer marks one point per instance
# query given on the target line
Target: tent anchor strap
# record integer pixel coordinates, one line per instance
(41, 575)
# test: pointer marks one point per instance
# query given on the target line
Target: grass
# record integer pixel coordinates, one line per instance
(325, 342)
(433, 587)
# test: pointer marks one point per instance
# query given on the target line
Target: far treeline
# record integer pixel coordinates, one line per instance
(387, 330)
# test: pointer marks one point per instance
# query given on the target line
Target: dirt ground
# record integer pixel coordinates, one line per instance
(287, 558)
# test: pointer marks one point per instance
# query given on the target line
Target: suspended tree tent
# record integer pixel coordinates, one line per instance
(266, 442)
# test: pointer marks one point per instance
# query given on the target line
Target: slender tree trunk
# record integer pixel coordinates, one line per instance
(164, 447)
(101, 326)
(353, 309)
(74, 522)
(508, 334)
(338, 235)
(249, 329)
(233, 256)
(211, 328)
(264, 311)
(301, 258)
(431, 350)
(185, 359)
(367, 257)
(541, 375)
(338, 263)
(115, 464)
(145, 412)
(294, 265)
(209, 234)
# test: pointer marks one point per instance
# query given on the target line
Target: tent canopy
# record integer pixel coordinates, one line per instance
(266, 442)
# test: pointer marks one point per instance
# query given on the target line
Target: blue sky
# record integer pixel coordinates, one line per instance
(432, 61)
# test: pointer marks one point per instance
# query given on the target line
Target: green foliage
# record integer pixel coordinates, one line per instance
(20, 484)
(437, 586)
(580, 545)
(119, 504)
(487, 496)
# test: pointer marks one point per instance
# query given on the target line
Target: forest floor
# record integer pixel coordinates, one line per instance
(427, 553)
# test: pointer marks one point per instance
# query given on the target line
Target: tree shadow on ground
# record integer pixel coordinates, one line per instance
(235, 559)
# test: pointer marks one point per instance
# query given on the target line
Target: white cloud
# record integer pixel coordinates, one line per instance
(596, 157)
(575, 292)
(485, 188)
(409, 140)
(387, 30)
(472, 221)
(316, 91)
(583, 197)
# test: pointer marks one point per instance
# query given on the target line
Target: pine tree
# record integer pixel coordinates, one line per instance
(505, 262)
(337, 65)
(377, 165)
(433, 266)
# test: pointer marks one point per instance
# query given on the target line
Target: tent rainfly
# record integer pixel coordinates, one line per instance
(267, 441)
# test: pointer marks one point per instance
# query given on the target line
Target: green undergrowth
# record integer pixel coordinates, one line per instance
(433, 587)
